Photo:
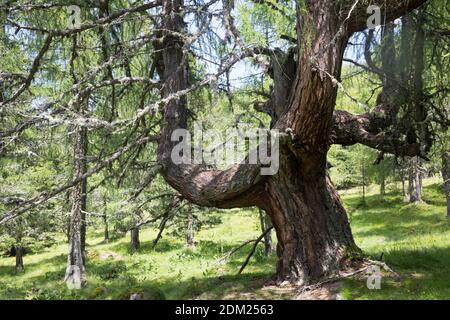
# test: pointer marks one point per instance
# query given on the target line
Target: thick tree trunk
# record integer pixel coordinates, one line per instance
(135, 243)
(446, 177)
(19, 258)
(311, 223)
(266, 224)
(190, 228)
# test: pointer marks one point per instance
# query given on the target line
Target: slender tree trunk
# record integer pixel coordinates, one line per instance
(83, 219)
(446, 177)
(135, 243)
(67, 219)
(3, 41)
(421, 181)
(266, 224)
(403, 185)
(19, 258)
(83, 187)
(418, 181)
(411, 192)
(383, 185)
(190, 228)
(67, 229)
(363, 178)
(162, 226)
(105, 222)
(75, 273)
(418, 188)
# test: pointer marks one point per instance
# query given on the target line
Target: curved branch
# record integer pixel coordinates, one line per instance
(350, 129)
(197, 183)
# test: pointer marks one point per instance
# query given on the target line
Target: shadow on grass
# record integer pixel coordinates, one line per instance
(393, 219)
(424, 274)
(229, 286)
(164, 245)
(31, 266)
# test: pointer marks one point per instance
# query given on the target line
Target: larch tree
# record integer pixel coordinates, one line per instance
(310, 221)
(152, 70)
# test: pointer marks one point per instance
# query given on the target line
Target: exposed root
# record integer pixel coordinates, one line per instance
(366, 264)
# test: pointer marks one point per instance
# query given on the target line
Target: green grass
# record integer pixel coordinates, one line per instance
(170, 268)
(414, 241)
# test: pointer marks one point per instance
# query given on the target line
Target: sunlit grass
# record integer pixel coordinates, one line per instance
(413, 239)
(170, 268)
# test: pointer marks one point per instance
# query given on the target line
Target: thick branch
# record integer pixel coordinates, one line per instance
(350, 129)
(197, 183)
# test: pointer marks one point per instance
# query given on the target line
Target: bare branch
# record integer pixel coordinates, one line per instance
(45, 196)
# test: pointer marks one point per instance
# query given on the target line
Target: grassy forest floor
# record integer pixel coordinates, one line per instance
(413, 239)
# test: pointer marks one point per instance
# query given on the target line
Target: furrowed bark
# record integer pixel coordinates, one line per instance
(312, 228)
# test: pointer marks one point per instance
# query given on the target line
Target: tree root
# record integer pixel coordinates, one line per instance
(341, 276)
